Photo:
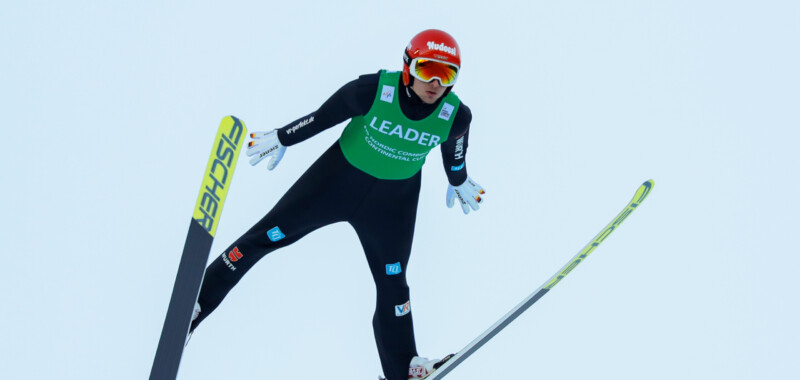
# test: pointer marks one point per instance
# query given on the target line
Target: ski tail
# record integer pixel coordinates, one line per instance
(642, 193)
(202, 228)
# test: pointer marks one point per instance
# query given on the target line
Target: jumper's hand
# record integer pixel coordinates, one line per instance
(265, 144)
(468, 194)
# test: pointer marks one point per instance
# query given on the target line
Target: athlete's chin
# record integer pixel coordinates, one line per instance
(431, 98)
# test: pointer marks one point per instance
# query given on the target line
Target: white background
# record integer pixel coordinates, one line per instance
(109, 112)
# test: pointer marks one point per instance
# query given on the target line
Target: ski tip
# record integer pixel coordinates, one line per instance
(643, 192)
(649, 184)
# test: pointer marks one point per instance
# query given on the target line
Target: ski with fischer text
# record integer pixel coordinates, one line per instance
(202, 228)
(455, 360)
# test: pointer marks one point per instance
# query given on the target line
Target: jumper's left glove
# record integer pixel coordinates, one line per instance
(468, 194)
(265, 144)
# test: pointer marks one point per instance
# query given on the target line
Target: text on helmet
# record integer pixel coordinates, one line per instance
(441, 47)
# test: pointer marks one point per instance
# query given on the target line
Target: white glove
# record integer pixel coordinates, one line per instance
(468, 193)
(265, 144)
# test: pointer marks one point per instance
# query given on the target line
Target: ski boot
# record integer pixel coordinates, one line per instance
(420, 368)
(195, 314)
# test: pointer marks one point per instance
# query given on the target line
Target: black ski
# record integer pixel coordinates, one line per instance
(202, 228)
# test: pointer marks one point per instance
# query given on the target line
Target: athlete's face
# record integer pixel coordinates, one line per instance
(429, 92)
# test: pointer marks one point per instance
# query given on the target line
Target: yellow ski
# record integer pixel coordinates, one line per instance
(450, 362)
(202, 228)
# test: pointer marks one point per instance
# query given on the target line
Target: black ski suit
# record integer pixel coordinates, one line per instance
(382, 212)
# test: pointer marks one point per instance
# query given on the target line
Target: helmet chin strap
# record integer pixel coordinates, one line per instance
(412, 96)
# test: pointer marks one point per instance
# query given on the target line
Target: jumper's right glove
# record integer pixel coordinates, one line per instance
(265, 144)
(468, 194)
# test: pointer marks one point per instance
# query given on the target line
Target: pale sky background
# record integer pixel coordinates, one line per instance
(110, 109)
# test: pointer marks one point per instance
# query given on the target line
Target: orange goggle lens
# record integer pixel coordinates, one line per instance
(427, 70)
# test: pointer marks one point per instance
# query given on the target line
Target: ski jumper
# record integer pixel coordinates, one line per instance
(369, 178)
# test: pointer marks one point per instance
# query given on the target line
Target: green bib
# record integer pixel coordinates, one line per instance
(386, 144)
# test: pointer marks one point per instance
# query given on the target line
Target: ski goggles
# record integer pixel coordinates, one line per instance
(427, 70)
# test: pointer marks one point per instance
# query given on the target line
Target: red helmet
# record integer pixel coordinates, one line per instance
(431, 44)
